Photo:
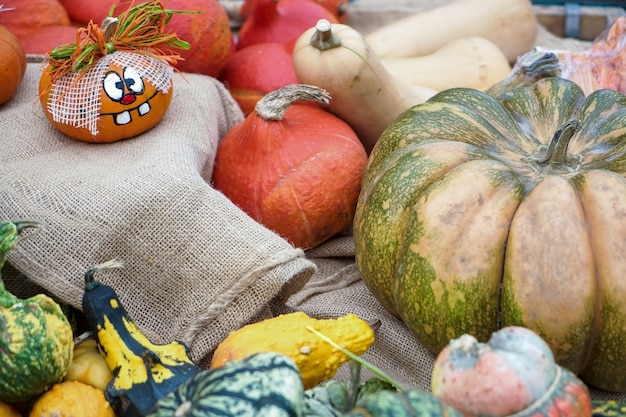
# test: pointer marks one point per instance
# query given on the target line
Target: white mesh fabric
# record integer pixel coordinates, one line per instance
(77, 102)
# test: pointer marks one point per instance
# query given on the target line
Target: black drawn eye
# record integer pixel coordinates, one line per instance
(133, 80)
(113, 86)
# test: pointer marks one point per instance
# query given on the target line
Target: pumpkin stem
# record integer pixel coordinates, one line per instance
(90, 281)
(554, 158)
(274, 105)
(324, 38)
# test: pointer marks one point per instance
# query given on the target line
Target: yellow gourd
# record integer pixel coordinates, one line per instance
(510, 24)
(7, 410)
(363, 93)
(72, 399)
(317, 360)
(89, 366)
(471, 62)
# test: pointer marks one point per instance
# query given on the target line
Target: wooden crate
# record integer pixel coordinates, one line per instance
(577, 21)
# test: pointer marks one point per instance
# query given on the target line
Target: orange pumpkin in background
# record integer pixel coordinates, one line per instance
(24, 15)
(12, 64)
(208, 33)
(82, 12)
(113, 84)
(257, 70)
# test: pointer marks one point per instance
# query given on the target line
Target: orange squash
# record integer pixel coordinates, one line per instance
(294, 168)
(22, 16)
(257, 70)
(109, 86)
(12, 64)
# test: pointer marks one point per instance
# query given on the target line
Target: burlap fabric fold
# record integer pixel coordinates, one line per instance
(196, 267)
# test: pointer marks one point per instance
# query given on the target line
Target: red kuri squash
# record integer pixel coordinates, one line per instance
(294, 168)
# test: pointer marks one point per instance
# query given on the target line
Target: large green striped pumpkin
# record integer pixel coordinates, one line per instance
(479, 212)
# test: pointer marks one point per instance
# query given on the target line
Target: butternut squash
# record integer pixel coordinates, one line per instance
(510, 24)
(472, 62)
(336, 58)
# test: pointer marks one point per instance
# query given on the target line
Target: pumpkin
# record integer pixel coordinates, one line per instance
(109, 86)
(40, 41)
(72, 399)
(263, 384)
(280, 21)
(88, 365)
(82, 12)
(317, 360)
(143, 372)
(512, 373)
(294, 168)
(257, 70)
(208, 33)
(23, 16)
(338, 7)
(36, 337)
(7, 410)
(12, 64)
(477, 212)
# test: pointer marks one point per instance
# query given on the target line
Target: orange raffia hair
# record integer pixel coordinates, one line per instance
(139, 29)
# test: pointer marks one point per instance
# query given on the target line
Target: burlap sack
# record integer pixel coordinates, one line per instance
(196, 267)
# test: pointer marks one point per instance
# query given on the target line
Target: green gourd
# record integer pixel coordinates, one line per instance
(478, 212)
(410, 403)
(260, 385)
(36, 340)
(143, 372)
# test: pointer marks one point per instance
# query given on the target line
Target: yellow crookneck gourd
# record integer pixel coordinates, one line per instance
(316, 359)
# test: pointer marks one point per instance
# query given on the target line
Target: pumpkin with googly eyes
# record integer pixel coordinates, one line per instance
(109, 86)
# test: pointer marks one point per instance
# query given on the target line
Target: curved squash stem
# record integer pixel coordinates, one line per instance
(90, 281)
(556, 158)
(323, 38)
(274, 105)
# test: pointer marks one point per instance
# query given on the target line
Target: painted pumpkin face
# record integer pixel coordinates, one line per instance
(123, 95)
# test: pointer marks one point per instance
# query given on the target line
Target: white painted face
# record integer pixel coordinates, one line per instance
(126, 89)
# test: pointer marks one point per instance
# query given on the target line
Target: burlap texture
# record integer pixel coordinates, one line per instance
(196, 267)
(146, 202)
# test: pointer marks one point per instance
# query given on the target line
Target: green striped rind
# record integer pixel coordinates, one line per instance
(263, 384)
(410, 403)
(608, 408)
(36, 347)
(604, 196)
(458, 114)
(541, 109)
(385, 202)
(602, 138)
(451, 260)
